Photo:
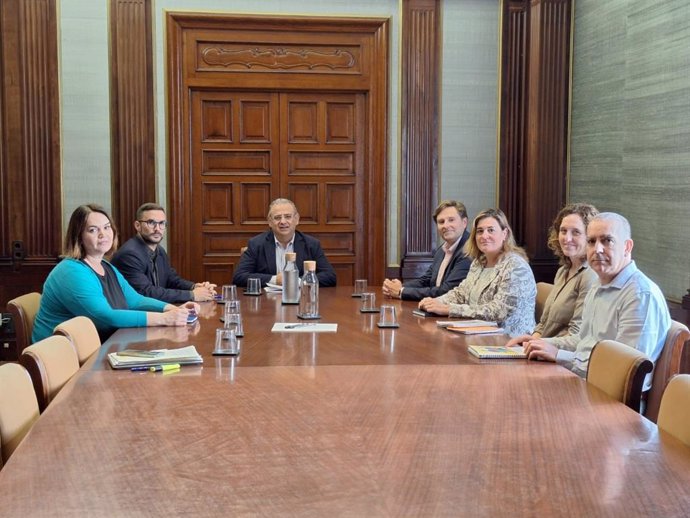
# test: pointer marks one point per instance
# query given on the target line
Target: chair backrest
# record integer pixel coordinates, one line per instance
(51, 363)
(83, 334)
(674, 413)
(18, 407)
(619, 370)
(543, 291)
(23, 310)
(668, 365)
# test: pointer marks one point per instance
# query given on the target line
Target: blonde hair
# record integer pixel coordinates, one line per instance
(509, 245)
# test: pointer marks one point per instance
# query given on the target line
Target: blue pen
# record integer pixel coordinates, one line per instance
(158, 368)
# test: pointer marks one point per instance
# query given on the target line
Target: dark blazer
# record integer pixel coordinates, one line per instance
(455, 273)
(133, 260)
(259, 260)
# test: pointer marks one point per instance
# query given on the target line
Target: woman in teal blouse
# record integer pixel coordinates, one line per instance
(85, 283)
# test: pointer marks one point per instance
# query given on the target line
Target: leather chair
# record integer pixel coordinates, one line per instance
(619, 370)
(674, 414)
(51, 363)
(83, 334)
(543, 291)
(18, 407)
(23, 310)
(669, 364)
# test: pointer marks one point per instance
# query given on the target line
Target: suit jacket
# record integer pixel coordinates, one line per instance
(133, 260)
(456, 271)
(259, 260)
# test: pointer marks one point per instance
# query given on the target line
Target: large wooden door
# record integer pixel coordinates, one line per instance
(248, 148)
(261, 108)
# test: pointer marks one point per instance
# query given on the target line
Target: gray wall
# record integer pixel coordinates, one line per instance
(630, 136)
(469, 104)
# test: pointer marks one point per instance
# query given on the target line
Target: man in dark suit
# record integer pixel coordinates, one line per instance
(145, 264)
(450, 264)
(265, 255)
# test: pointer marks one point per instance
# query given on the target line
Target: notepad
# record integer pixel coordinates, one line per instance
(496, 351)
(304, 327)
(184, 356)
(273, 288)
(477, 330)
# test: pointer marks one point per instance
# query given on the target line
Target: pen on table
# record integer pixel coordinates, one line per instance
(158, 368)
(293, 326)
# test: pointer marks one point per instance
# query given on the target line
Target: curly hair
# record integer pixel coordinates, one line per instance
(509, 244)
(586, 213)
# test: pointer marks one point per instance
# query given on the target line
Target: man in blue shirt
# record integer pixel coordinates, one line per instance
(624, 305)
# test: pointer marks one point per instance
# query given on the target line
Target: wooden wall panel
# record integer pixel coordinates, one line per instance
(514, 130)
(420, 100)
(534, 121)
(131, 111)
(30, 191)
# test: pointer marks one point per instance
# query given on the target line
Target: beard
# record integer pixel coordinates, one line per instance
(152, 239)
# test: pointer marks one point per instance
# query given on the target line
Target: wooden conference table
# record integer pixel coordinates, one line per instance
(362, 422)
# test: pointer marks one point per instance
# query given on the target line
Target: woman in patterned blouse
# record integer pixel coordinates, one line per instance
(500, 285)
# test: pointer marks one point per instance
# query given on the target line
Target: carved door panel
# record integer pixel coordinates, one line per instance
(322, 171)
(248, 148)
(258, 109)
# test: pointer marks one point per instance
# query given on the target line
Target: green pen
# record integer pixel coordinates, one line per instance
(165, 368)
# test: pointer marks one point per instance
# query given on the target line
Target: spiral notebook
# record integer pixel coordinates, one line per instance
(496, 351)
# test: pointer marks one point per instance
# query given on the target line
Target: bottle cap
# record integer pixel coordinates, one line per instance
(310, 266)
(290, 256)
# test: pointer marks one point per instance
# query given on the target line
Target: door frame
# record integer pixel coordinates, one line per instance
(364, 40)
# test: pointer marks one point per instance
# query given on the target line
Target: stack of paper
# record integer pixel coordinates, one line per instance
(465, 323)
(273, 288)
(475, 330)
(127, 359)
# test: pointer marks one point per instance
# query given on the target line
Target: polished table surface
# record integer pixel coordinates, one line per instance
(362, 422)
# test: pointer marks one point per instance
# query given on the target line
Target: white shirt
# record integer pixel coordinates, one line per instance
(630, 309)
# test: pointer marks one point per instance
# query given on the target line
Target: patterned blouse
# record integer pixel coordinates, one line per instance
(507, 296)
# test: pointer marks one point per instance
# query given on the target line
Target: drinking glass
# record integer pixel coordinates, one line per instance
(226, 342)
(253, 286)
(368, 303)
(388, 317)
(229, 292)
(360, 287)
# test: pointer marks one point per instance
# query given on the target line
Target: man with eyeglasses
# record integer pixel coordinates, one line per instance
(265, 254)
(146, 266)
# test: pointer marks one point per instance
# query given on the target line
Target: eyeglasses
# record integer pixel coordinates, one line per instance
(286, 217)
(152, 223)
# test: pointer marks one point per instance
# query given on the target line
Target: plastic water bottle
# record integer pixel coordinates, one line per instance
(309, 296)
(290, 280)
